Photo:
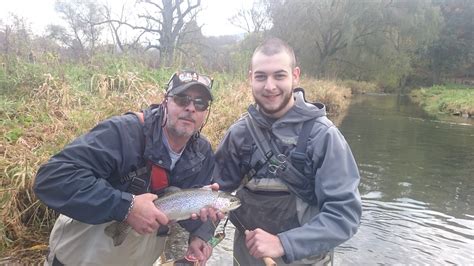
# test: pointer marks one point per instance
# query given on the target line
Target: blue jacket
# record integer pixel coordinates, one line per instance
(83, 181)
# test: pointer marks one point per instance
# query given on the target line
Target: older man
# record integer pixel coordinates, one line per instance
(113, 173)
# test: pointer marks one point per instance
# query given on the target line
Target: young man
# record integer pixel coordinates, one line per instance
(299, 197)
(113, 173)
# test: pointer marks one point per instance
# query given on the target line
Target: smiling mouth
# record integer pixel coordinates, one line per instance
(271, 96)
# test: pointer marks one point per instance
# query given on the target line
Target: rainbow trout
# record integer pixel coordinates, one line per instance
(179, 205)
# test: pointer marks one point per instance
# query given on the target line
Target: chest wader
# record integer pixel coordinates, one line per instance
(270, 202)
(282, 200)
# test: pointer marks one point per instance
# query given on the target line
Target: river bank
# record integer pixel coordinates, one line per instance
(455, 100)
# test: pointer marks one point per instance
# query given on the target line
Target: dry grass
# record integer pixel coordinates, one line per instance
(50, 117)
(334, 96)
(229, 105)
(123, 82)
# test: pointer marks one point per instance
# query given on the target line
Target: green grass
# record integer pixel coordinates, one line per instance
(450, 99)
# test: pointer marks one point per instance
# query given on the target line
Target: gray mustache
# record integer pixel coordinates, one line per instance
(187, 117)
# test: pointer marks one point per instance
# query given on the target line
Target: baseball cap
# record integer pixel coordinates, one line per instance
(183, 80)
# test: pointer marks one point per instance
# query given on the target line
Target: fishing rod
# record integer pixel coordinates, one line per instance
(267, 260)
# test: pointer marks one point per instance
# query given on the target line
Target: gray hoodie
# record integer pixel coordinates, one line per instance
(329, 162)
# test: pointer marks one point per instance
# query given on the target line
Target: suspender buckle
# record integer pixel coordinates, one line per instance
(269, 154)
(137, 186)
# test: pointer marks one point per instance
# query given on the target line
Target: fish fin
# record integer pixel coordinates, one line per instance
(117, 232)
(119, 238)
(110, 229)
(169, 191)
(172, 189)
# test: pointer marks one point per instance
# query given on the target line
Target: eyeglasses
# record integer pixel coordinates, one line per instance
(188, 76)
(182, 100)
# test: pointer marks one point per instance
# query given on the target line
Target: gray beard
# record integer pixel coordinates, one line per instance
(179, 133)
(172, 129)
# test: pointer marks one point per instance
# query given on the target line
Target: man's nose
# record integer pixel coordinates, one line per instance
(269, 84)
(190, 107)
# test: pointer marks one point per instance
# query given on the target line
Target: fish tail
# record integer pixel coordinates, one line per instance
(117, 231)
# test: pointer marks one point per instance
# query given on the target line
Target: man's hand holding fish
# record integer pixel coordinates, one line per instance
(143, 217)
(209, 212)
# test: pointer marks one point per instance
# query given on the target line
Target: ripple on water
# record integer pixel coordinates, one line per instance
(372, 195)
(406, 231)
(401, 232)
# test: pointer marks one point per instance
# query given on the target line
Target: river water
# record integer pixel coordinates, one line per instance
(417, 187)
(417, 184)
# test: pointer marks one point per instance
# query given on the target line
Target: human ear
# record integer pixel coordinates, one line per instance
(296, 76)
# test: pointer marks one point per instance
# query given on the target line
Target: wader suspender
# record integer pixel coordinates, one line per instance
(262, 145)
(137, 178)
(157, 175)
(298, 156)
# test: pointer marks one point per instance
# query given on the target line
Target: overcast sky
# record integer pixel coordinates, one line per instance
(40, 13)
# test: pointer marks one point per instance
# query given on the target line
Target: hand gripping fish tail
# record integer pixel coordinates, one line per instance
(179, 205)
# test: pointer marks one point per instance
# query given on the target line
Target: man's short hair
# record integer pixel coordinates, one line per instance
(274, 46)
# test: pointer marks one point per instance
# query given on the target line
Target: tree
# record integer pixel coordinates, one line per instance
(123, 38)
(453, 53)
(84, 28)
(163, 23)
(15, 36)
(319, 30)
(377, 40)
(409, 27)
(190, 45)
(253, 20)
